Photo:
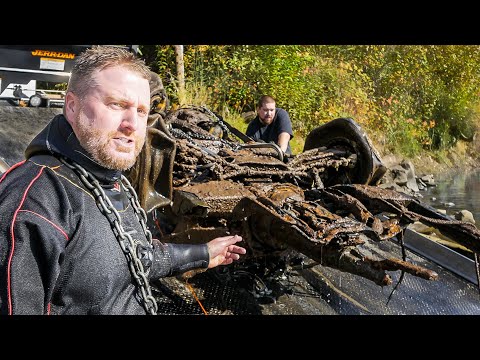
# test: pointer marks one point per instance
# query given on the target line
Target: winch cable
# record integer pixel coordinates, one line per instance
(400, 237)
(477, 270)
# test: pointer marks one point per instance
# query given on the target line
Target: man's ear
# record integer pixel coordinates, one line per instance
(70, 105)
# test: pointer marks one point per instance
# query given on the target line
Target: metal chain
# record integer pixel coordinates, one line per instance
(129, 246)
(215, 117)
(219, 121)
(191, 137)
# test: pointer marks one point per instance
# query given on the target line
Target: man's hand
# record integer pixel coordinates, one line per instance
(223, 251)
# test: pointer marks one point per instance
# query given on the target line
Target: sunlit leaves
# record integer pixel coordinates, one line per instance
(412, 97)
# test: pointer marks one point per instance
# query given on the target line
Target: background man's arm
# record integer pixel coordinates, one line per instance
(283, 139)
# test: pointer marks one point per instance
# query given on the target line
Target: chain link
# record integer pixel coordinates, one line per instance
(127, 243)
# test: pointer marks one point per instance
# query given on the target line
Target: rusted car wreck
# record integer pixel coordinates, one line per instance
(199, 178)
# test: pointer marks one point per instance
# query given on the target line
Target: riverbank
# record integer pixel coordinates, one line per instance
(464, 157)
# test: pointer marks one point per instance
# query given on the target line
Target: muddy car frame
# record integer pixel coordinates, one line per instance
(321, 206)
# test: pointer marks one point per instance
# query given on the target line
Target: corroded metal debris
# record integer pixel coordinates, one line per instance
(197, 180)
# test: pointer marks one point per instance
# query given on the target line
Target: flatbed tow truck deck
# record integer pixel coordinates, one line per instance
(319, 290)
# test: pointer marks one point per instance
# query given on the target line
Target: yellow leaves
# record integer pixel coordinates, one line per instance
(345, 66)
(426, 141)
(428, 124)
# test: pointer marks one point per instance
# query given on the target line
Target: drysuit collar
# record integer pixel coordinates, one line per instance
(58, 138)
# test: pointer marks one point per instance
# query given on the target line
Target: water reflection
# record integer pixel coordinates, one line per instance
(462, 189)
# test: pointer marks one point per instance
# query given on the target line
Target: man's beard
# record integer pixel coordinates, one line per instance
(265, 121)
(96, 142)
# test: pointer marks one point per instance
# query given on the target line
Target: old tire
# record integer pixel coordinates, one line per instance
(346, 133)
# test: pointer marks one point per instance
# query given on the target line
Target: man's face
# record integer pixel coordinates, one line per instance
(266, 113)
(111, 120)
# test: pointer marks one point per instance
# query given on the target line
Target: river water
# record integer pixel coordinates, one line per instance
(460, 188)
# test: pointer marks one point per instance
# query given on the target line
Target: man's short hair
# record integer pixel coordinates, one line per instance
(99, 57)
(265, 99)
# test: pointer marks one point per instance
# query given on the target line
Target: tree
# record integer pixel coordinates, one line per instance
(180, 73)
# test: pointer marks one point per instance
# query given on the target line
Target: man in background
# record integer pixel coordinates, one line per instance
(271, 124)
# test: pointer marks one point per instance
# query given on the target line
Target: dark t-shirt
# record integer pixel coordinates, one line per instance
(269, 133)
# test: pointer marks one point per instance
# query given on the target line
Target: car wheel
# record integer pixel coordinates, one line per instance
(35, 101)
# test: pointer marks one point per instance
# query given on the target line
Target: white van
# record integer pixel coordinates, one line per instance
(22, 66)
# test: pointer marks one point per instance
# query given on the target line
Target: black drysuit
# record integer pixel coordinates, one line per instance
(58, 253)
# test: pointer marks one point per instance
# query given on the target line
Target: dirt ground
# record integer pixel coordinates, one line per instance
(18, 126)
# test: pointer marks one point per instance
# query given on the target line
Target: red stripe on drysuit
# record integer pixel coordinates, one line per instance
(51, 223)
(9, 289)
(11, 168)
